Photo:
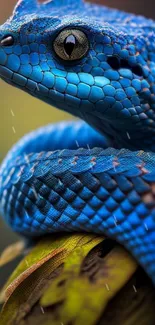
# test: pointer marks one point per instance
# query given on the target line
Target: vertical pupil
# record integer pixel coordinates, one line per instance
(69, 44)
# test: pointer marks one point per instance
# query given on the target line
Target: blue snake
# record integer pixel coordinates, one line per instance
(94, 175)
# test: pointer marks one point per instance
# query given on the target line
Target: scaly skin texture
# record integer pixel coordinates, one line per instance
(106, 191)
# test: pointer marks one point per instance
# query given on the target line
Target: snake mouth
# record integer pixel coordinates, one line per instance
(12, 77)
(6, 74)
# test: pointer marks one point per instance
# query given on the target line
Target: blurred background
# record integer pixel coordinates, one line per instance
(21, 113)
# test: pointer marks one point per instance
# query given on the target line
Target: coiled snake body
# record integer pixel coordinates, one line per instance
(99, 65)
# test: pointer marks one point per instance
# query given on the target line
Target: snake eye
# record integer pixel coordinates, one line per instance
(7, 41)
(71, 45)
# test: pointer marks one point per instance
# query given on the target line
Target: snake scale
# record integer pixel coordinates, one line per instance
(94, 175)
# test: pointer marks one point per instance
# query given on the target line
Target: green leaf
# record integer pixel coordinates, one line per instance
(78, 279)
(80, 294)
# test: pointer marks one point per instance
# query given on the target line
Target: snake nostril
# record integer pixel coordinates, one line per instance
(7, 40)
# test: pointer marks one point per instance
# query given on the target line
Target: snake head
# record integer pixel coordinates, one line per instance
(86, 61)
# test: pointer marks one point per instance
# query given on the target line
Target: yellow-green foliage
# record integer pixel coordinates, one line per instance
(77, 279)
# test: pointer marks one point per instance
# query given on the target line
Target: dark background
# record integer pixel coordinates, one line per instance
(146, 7)
(23, 105)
